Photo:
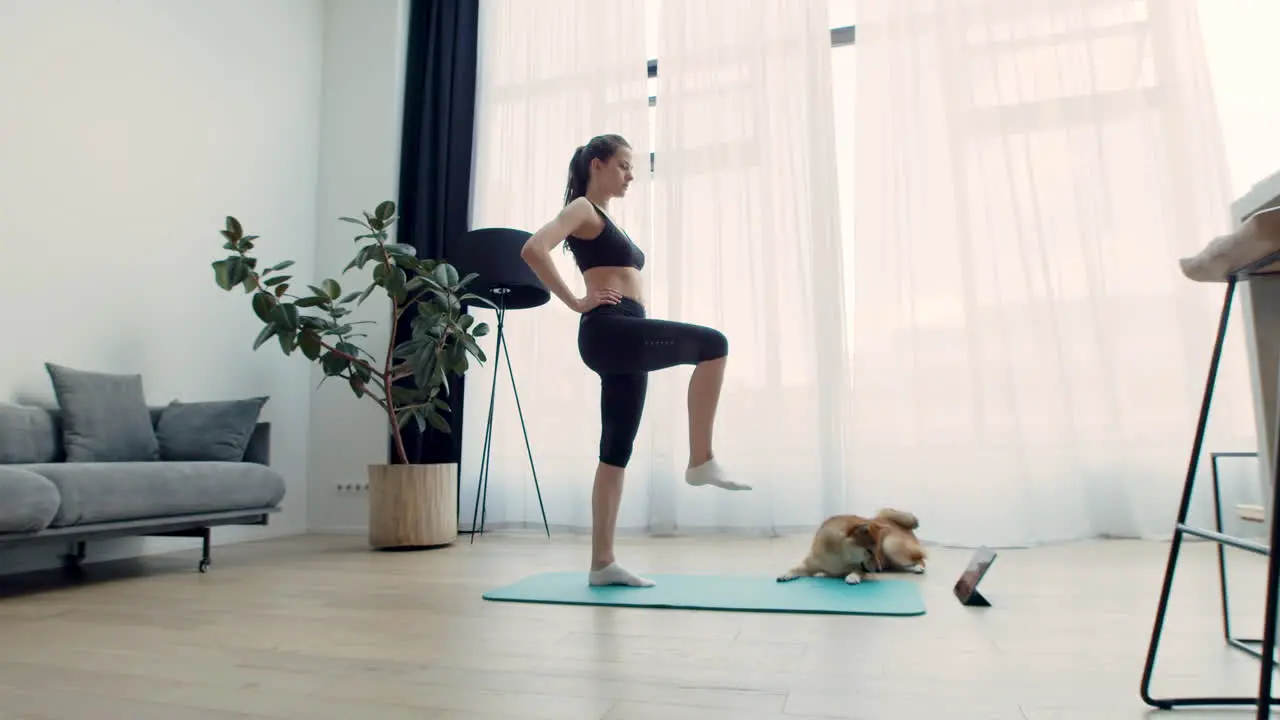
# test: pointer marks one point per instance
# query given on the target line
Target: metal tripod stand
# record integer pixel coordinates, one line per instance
(482, 484)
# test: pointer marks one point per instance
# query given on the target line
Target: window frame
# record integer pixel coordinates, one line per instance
(840, 37)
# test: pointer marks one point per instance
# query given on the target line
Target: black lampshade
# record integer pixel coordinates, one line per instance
(494, 255)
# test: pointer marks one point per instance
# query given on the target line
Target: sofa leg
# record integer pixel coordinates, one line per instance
(205, 534)
(72, 561)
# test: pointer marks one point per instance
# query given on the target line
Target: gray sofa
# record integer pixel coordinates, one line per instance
(104, 465)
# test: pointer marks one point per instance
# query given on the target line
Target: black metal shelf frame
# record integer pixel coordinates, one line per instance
(1264, 648)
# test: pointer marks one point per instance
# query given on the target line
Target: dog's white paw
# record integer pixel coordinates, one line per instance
(853, 578)
(917, 569)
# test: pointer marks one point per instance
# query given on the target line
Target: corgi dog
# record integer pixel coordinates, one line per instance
(896, 547)
(850, 546)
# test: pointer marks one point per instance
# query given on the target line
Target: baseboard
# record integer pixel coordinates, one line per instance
(338, 530)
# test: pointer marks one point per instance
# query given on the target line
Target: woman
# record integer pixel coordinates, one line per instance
(620, 344)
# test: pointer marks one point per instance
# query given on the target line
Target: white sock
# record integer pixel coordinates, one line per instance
(710, 473)
(615, 574)
(1255, 239)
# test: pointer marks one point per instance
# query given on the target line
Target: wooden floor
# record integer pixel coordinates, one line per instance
(321, 628)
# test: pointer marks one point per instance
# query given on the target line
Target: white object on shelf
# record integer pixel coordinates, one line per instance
(1260, 308)
(1252, 513)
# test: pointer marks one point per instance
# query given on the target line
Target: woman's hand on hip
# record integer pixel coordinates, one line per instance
(603, 296)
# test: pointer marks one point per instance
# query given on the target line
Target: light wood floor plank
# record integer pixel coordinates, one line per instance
(321, 627)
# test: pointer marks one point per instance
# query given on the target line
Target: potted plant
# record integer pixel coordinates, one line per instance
(409, 505)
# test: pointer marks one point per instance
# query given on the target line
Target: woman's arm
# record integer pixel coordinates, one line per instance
(537, 249)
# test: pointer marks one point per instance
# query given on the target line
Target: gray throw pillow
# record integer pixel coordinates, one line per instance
(208, 431)
(105, 417)
(28, 435)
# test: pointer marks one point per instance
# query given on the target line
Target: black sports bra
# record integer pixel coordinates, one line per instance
(611, 248)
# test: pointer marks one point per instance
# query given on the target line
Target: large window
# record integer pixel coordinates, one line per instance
(842, 21)
(842, 61)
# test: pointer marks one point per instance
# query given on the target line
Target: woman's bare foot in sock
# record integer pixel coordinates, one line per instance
(1257, 238)
(615, 574)
(710, 473)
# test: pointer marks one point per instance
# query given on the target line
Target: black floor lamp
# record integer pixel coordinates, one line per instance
(506, 280)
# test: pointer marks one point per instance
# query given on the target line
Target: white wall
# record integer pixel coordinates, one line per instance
(128, 130)
(364, 56)
(1237, 36)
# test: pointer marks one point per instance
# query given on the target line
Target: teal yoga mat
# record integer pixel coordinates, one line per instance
(744, 593)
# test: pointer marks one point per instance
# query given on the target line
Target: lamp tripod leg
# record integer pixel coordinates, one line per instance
(482, 484)
(528, 448)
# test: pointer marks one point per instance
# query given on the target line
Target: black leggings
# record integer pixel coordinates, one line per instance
(622, 346)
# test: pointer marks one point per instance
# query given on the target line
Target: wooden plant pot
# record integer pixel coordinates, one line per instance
(412, 506)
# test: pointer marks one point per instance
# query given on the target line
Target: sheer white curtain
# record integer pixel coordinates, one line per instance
(1028, 360)
(741, 229)
(551, 74)
(746, 239)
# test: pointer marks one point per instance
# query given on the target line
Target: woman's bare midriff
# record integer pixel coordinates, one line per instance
(625, 280)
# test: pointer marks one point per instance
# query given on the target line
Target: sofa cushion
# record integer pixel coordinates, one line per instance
(28, 435)
(28, 502)
(115, 491)
(214, 430)
(105, 417)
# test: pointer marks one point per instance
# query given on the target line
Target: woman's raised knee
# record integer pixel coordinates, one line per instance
(714, 346)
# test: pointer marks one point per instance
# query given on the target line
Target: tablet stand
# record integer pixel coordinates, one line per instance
(966, 588)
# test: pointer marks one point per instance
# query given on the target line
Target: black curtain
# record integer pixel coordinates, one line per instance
(435, 168)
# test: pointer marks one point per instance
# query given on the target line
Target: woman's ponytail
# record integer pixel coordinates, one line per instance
(601, 147)
(579, 174)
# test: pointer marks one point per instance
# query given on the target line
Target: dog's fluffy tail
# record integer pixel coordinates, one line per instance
(901, 518)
